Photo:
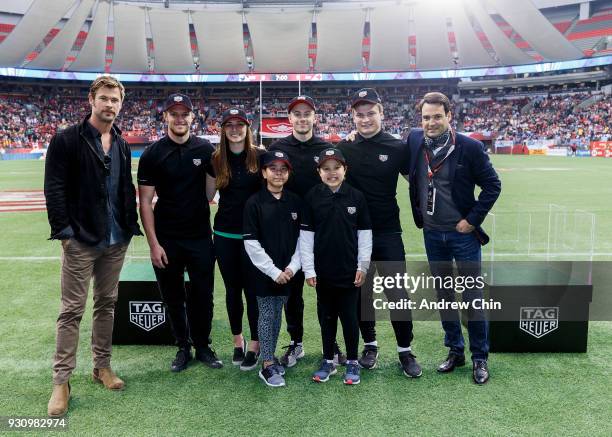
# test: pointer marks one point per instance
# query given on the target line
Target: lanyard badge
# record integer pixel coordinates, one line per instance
(431, 197)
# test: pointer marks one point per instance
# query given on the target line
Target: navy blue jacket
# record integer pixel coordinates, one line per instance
(469, 166)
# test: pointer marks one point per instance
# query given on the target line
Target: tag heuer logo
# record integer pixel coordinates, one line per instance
(279, 155)
(294, 215)
(197, 162)
(539, 321)
(147, 315)
(234, 111)
(383, 158)
(178, 98)
(351, 209)
(363, 94)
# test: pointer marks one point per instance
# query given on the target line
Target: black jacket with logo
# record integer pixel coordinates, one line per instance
(335, 219)
(304, 157)
(374, 166)
(178, 173)
(275, 224)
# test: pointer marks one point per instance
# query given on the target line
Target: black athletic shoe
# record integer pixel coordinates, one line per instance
(369, 357)
(409, 365)
(208, 356)
(183, 356)
(238, 356)
(271, 377)
(250, 361)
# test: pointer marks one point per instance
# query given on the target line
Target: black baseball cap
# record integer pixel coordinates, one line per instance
(232, 113)
(301, 99)
(178, 99)
(331, 153)
(365, 95)
(268, 158)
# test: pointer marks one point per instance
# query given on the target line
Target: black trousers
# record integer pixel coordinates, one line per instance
(333, 303)
(190, 310)
(234, 263)
(294, 308)
(388, 259)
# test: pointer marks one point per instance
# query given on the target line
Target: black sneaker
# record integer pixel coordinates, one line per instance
(339, 357)
(369, 357)
(238, 356)
(183, 356)
(208, 357)
(271, 377)
(409, 365)
(250, 361)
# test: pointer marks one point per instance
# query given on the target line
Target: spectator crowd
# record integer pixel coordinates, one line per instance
(30, 115)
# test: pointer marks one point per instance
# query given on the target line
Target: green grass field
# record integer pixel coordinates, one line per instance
(543, 394)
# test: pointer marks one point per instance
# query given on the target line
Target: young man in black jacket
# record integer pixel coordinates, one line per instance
(91, 205)
(303, 148)
(375, 161)
(177, 168)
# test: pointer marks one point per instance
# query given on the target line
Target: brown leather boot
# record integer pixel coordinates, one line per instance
(58, 404)
(108, 378)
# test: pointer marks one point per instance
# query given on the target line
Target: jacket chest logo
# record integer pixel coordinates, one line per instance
(351, 210)
(197, 162)
(383, 158)
(316, 159)
(294, 215)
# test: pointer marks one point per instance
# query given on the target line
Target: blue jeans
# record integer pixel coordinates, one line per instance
(442, 248)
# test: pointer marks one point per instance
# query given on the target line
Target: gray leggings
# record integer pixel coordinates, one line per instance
(269, 324)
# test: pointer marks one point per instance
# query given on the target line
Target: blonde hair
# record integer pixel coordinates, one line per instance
(106, 81)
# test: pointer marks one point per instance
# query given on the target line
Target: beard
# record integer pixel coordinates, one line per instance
(303, 129)
(180, 132)
(105, 116)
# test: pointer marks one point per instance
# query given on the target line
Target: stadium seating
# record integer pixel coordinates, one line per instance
(29, 115)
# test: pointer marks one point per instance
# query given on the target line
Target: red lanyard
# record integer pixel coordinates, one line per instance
(436, 168)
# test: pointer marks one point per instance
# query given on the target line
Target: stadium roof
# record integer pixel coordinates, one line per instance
(228, 36)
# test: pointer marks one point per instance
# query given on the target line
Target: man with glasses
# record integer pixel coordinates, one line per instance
(91, 205)
(178, 230)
